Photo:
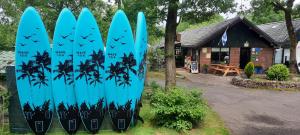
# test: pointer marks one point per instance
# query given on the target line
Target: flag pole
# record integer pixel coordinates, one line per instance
(220, 45)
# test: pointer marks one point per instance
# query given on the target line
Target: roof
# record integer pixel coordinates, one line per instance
(200, 36)
(7, 59)
(278, 31)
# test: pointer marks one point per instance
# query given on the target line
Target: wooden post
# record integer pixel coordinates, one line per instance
(17, 123)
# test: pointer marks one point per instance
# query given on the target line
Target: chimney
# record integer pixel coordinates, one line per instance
(178, 37)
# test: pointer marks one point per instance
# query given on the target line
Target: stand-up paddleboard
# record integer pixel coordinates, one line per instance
(120, 66)
(62, 72)
(298, 56)
(33, 71)
(141, 55)
(88, 64)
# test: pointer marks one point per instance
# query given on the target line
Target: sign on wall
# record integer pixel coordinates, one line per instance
(194, 67)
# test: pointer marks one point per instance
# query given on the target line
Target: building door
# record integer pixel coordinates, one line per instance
(245, 57)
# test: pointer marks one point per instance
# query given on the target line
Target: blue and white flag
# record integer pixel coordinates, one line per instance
(224, 38)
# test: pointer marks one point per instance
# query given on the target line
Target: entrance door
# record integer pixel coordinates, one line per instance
(245, 57)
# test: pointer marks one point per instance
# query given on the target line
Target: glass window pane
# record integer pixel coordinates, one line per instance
(215, 49)
(219, 57)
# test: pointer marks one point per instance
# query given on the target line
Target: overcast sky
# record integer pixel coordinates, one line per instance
(246, 5)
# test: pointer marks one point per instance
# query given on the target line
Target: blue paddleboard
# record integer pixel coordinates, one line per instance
(121, 69)
(33, 71)
(62, 72)
(141, 39)
(88, 64)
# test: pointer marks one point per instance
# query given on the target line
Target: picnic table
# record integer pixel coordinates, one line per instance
(224, 69)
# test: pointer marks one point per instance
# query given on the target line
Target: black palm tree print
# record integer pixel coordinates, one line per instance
(27, 69)
(115, 71)
(98, 59)
(95, 78)
(43, 61)
(90, 69)
(129, 62)
(35, 69)
(40, 80)
(121, 70)
(41, 64)
(84, 70)
(142, 66)
(65, 70)
(125, 80)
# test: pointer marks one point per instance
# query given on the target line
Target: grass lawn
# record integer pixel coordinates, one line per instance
(212, 125)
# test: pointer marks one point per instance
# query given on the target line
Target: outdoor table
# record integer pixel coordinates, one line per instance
(225, 69)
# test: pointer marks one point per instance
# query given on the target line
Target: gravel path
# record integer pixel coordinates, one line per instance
(248, 111)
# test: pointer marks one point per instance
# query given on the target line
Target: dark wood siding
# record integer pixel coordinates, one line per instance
(238, 35)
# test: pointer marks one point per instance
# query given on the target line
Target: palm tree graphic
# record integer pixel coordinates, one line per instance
(43, 61)
(96, 78)
(125, 80)
(129, 62)
(98, 59)
(84, 69)
(27, 70)
(97, 62)
(115, 72)
(122, 69)
(40, 80)
(64, 69)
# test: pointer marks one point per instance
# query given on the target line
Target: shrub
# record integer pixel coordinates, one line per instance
(155, 57)
(178, 108)
(249, 69)
(278, 72)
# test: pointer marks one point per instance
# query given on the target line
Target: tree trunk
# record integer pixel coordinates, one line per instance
(293, 40)
(170, 35)
(119, 2)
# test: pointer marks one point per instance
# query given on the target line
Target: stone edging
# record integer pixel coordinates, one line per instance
(249, 83)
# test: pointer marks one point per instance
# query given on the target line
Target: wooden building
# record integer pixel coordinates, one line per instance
(263, 44)
(245, 42)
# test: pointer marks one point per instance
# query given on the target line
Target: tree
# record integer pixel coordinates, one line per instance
(49, 10)
(287, 8)
(262, 12)
(152, 13)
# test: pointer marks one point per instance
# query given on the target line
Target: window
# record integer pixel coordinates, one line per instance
(220, 56)
(177, 51)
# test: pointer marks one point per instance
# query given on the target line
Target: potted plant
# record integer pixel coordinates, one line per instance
(205, 68)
